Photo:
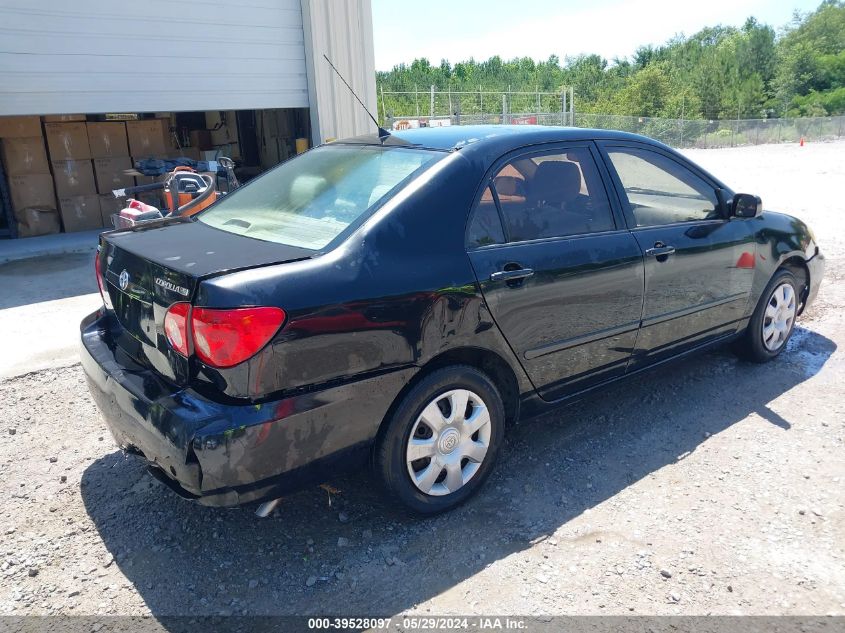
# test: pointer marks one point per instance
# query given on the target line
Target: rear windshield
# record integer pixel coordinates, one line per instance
(309, 200)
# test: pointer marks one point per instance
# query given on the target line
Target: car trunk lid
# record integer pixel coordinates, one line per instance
(148, 269)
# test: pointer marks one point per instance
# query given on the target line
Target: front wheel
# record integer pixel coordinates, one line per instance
(441, 442)
(773, 320)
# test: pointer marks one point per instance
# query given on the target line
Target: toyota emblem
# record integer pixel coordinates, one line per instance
(123, 280)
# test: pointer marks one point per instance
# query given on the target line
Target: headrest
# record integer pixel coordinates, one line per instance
(305, 188)
(507, 185)
(556, 181)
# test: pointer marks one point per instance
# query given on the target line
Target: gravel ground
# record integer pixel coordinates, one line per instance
(709, 487)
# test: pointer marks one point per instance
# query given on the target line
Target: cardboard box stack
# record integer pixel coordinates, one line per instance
(149, 138)
(73, 174)
(28, 172)
(77, 164)
(110, 150)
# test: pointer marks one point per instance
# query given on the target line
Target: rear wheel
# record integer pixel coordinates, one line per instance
(773, 320)
(442, 441)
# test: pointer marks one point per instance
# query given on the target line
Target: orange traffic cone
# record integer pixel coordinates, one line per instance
(802, 142)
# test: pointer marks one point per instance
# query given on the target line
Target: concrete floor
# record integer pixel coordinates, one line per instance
(49, 245)
(41, 304)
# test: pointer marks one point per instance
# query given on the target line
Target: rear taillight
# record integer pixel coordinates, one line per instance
(224, 338)
(98, 272)
(176, 326)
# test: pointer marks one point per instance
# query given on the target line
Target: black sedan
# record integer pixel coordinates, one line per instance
(401, 301)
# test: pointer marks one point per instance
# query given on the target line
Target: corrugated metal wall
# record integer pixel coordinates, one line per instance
(343, 30)
(94, 56)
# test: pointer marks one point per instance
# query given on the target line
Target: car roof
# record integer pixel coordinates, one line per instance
(458, 136)
(487, 143)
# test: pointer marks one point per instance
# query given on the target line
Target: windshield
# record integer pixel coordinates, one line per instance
(310, 200)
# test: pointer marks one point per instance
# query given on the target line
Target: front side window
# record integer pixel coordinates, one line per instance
(662, 191)
(311, 199)
(555, 194)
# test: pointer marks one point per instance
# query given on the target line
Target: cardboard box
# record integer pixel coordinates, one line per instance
(147, 138)
(201, 139)
(73, 178)
(147, 180)
(223, 136)
(33, 221)
(32, 190)
(19, 126)
(25, 156)
(111, 173)
(62, 118)
(107, 140)
(150, 197)
(109, 205)
(67, 141)
(80, 213)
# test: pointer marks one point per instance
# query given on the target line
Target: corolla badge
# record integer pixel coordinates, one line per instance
(123, 280)
(169, 285)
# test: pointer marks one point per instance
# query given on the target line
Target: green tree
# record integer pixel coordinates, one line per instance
(718, 72)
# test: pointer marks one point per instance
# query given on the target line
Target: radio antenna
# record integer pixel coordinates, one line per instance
(383, 134)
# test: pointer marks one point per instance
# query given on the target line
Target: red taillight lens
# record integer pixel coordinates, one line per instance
(176, 326)
(224, 338)
(98, 272)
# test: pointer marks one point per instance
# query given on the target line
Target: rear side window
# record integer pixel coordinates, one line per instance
(547, 195)
(310, 200)
(661, 190)
(486, 226)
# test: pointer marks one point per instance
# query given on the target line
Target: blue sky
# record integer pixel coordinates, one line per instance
(459, 29)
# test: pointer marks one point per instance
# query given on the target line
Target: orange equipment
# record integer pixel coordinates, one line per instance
(187, 192)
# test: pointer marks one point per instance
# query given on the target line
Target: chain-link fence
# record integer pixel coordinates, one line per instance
(436, 107)
(720, 133)
(474, 107)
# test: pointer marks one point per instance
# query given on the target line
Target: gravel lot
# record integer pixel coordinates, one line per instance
(709, 487)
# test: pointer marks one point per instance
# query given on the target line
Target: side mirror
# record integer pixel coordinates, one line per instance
(745, 205)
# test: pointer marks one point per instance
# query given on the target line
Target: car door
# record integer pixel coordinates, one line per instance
(698, 261)
(560, 273)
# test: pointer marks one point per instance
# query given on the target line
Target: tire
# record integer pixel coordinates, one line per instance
(771, 325)
(456, 453)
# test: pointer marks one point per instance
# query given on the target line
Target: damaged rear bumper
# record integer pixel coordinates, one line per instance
(226, 454)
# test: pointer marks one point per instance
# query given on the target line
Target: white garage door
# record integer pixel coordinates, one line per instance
(96, 56)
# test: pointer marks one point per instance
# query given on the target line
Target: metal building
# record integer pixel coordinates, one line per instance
(246, 79)
(100, 56)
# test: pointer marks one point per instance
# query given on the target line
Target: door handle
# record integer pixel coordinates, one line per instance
(660, 250)
(511, 275)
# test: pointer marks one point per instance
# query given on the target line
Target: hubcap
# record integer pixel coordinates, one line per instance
(779, 317)
(448, 442)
